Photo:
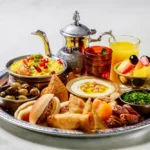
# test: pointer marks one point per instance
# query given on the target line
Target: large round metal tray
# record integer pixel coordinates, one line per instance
(66, 133)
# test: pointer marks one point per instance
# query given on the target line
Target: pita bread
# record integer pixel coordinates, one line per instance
(57, 88)
(23, 111)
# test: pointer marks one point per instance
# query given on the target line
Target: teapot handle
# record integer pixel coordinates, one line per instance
(100, 37)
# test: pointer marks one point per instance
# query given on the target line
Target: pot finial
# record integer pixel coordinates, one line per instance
(76, 17)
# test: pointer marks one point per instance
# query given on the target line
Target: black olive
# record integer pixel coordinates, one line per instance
(134, 59)
(12, 91)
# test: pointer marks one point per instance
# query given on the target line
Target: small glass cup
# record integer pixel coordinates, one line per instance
(98, 61)
(123, 47)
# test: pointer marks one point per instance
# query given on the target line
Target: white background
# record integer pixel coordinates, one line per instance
(18, 18)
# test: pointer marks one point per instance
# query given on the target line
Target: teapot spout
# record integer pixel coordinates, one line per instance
(45, 41)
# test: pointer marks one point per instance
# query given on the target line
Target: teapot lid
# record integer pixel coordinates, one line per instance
(76, 29)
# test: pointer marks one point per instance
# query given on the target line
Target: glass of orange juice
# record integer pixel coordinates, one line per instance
(123, 47)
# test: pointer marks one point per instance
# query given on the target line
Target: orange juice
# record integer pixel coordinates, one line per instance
(121, 51)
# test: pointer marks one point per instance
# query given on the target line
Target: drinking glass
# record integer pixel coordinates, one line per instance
(98, 61)
(123, 47)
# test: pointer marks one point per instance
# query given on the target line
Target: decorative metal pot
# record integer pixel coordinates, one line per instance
(76, 40)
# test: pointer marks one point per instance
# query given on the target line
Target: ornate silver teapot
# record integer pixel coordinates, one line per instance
(76, 39)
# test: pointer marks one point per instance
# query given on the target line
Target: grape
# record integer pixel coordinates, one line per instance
(148, 58)
(133, 59)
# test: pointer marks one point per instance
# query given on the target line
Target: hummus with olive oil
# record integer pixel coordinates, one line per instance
(92, 87)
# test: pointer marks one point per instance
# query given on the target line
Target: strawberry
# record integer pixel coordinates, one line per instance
(144, 60)
(127, 68)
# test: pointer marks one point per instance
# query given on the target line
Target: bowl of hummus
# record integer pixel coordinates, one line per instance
(91, 87)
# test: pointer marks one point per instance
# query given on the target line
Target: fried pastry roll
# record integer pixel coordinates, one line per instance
(76, 104)
(88, 106)
(69, 121)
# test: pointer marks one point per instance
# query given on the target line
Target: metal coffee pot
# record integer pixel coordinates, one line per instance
(76, 39)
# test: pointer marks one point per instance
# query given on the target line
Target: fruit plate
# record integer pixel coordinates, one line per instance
(65, 133)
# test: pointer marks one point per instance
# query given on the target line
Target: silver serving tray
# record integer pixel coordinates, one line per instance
(66, 133)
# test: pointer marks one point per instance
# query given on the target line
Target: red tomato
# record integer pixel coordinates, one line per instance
(42, 64)
(31, 57)
(28, 58)
(24, 61)
(53, 72)
(41, 57)
(44, 60)
(38, 69)
(45, 67)
(59, 61)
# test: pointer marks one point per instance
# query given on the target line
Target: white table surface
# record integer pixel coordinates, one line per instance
(18, 18)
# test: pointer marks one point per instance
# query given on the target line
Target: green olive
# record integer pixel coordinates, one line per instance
(26, 86)
(34, 91)
(22, 97)
(15, 84)
(11, 97)
(12, 91)
(23, 91)
(3, 94)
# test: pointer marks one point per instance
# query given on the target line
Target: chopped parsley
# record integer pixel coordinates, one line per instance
(137, 97)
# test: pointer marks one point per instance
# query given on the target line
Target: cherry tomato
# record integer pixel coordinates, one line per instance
(44, 60)
(24, 61)
(38, 69)
(28, 58)
(42, 64)
(31, 57)
(45, 67)
(53, 72)
(41, 57)
(59, 61)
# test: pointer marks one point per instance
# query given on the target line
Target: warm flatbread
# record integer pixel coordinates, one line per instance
(23, 111)
(57, 88)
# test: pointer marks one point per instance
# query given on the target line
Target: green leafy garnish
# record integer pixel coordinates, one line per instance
(37, 57)
(137, 97)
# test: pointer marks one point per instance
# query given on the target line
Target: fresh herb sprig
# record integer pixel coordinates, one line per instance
(37, 57)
